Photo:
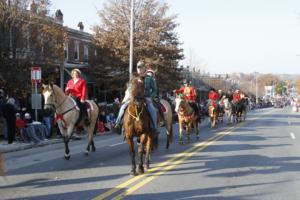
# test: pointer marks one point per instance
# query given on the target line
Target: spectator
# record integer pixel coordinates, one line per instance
(9, 113)
(102, 118)
(20, 124)
(47, 121)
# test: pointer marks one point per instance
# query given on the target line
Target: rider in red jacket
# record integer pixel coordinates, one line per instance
(76, 87)
(213, 96)
(236, 97)
(188, 92)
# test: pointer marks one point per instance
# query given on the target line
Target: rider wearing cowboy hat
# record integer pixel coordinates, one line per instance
(150, 93)
(76, 87)
(140, 68)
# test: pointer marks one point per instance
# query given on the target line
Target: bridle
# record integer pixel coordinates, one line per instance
(53, 105)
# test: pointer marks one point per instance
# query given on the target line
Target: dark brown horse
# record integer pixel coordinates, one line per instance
(137, 124)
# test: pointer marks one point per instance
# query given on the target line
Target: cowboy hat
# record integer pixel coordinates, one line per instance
(76, 70)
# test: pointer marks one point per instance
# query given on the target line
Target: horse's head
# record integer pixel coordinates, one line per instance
(179, 102)
(49, 97)
(137, 88)
(226, 103)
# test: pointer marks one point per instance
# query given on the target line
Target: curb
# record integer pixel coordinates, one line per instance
(6, 148)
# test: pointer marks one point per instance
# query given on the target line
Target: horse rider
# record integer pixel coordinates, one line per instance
(76, 88)
(150, 93)
(140, 69)
(213, 96)
(189, 94)
(236, 97)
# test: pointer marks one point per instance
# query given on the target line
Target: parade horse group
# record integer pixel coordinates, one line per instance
(235, 112)
(137, 121)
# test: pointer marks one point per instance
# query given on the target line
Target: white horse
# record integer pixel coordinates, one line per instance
(67, 115)
(228, 107)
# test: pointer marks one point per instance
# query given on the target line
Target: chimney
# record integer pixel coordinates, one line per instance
(80, 25)
(59, 17)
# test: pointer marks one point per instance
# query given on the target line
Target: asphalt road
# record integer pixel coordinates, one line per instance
(256, 159)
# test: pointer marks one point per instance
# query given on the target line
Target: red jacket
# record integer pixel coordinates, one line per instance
(236, 97)
(188, 92)
(214, 96)
(77, 89)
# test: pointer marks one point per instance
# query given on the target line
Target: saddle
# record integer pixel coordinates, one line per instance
(160, 107)
(84, 109)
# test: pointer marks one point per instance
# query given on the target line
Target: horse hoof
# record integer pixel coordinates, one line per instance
(67, 157)
(180, 142)
(141, 170)
(133, 173)
(86, 153)
(93, 149)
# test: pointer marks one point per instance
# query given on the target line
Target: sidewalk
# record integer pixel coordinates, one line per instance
(18, 146)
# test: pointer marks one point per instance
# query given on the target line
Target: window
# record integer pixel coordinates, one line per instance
(76, 50)
(66, 51)
(85, 53)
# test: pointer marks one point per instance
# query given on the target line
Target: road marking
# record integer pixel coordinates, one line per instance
(163, 164)
(293, 136)
(167, 165)
(113, 145)
(171, 166)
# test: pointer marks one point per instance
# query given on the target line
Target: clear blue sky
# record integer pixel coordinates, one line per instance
(224, 36)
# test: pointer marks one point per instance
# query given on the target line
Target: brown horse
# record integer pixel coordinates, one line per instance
(213, 116)
(67, 115)
(186, 118)
(137, 124)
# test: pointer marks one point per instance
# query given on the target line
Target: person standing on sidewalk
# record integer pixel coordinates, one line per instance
(9, 114)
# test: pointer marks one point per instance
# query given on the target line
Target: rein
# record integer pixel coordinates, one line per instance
(138, 115)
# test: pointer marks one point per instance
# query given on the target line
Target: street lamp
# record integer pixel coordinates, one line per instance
(256, 91)
(131, 41)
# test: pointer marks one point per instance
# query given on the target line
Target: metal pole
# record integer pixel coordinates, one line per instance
(256, 92)
(131, 41)
(35, 92)
(61, 71)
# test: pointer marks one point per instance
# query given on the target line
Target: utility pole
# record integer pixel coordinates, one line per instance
(131, 41)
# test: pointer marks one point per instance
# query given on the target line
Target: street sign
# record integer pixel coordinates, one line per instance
(36, 74)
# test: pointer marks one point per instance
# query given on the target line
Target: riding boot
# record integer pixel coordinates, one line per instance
(85, 115)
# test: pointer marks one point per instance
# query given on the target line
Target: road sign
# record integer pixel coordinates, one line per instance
(36, 74)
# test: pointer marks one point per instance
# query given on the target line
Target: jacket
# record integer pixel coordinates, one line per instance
(77, 89)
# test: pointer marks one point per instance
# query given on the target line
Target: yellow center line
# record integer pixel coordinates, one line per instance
(157, 174)
(181, 156)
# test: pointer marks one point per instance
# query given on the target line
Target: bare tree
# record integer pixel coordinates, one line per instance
(155, 40)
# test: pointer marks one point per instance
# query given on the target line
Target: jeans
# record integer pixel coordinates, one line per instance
(152, 112)
(47, 122)
(121, 112)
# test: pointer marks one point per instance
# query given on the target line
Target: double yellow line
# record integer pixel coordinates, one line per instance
(161, 168)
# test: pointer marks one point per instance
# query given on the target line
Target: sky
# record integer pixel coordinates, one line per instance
(222, 36)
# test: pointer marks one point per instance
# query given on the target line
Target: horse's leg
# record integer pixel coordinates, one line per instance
(196, 129)
(180, 132)
(90, 131)
(188, 132)
(169, 130)
(132, 156)
(148, 149)
(67, 151)
(140, 154)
